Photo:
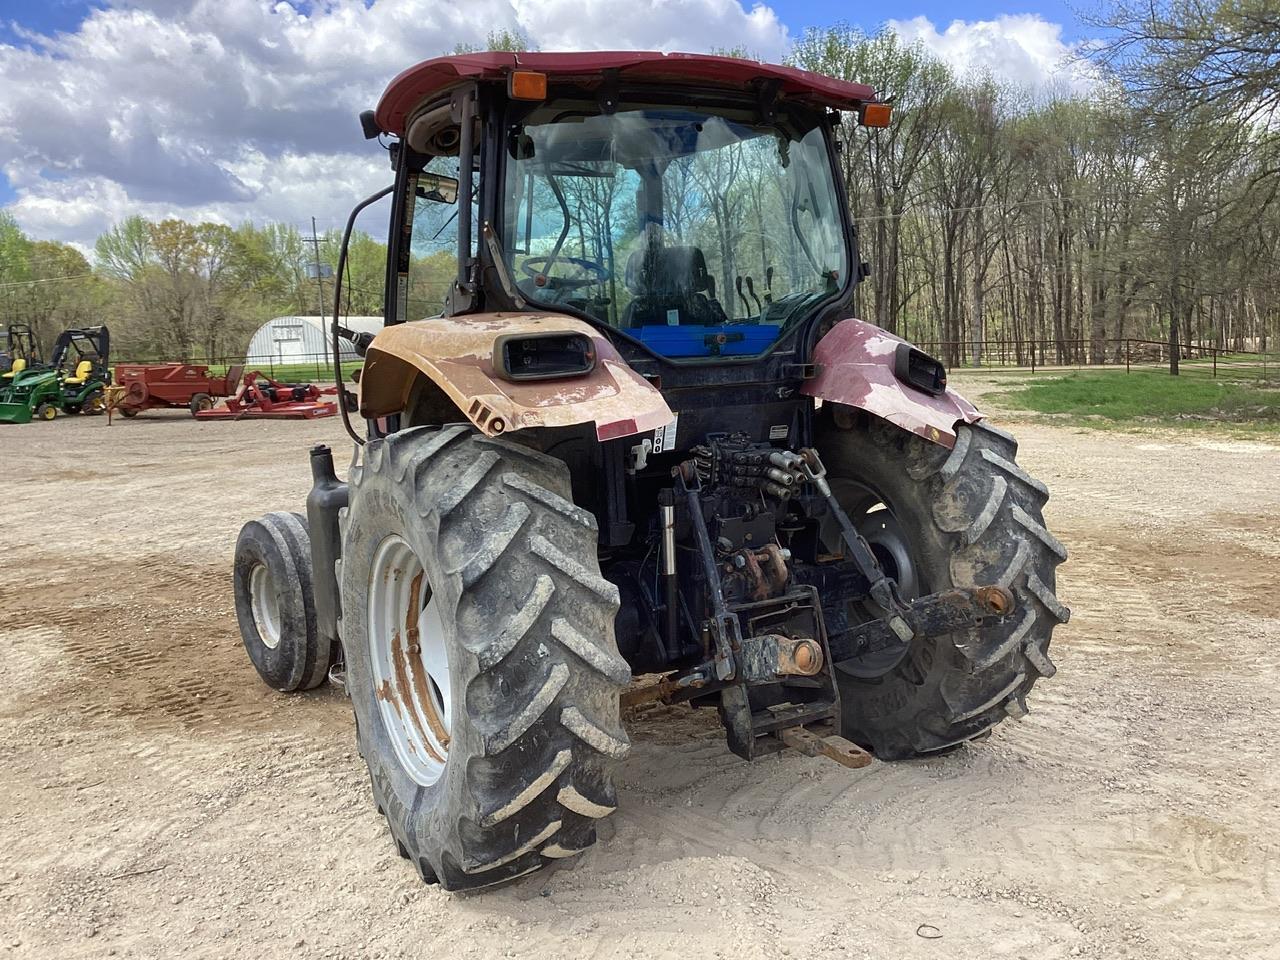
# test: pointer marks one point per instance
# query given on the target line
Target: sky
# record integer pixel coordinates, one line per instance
(234, 110)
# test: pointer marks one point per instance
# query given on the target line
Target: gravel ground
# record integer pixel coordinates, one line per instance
(158, 800)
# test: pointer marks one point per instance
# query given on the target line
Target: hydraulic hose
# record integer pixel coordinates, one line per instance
(337, 309)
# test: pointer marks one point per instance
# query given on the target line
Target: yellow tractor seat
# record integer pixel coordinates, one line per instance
(83, 369)
(19, 364)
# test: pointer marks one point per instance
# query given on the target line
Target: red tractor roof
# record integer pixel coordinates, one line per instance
(407, 90)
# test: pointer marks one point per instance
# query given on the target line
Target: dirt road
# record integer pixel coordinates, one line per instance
(158, 800)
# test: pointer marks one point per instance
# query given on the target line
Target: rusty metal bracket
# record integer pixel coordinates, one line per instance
(770, 656)
(837, 748)
(671, 689)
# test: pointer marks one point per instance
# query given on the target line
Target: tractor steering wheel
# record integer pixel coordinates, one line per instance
(534, 268)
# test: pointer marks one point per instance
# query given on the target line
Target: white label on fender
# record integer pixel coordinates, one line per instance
(664, 438)
(778, 431)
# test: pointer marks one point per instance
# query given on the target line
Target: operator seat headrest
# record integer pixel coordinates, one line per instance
(654, 271)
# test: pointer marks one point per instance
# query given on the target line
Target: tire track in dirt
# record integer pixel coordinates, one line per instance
(161, 651)
(183, 705)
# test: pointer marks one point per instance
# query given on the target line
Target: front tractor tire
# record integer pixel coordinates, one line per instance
(941, 519)
(275, 606)
(480, 654)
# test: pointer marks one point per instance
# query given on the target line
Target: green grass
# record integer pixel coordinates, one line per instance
(1148, 396)
(295, 372)
(311, 371)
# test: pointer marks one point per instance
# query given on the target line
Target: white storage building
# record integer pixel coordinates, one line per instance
(303, 339)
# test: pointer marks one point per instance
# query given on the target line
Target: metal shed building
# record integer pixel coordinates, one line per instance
(303, 339)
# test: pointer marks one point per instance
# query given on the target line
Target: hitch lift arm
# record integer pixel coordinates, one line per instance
(883, 589)
(737, 661)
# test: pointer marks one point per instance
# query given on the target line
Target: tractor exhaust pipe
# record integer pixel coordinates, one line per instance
(328, 495)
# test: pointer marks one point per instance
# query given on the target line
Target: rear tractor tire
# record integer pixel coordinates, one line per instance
(940, 519)
(274, 603)
(95, 403)
(480, 654)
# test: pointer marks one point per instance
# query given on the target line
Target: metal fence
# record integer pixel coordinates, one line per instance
(1131, 353)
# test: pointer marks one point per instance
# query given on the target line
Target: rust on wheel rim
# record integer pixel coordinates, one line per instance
(409, 660)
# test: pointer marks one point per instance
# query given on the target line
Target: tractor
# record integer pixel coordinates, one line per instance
(635, 429)
(74, 381)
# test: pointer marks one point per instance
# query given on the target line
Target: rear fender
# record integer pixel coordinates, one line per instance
(455, 355)
(856, 368)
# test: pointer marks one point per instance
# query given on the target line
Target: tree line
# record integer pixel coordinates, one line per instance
(1058, 225)
(173, 289)
(1052, 225)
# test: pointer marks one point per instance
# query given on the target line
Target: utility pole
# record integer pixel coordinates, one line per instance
(315, 245)
(320, 274)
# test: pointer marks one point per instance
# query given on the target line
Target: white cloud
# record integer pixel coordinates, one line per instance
(288, 188)
(246, 109)
(653, 25)
(1023, 49)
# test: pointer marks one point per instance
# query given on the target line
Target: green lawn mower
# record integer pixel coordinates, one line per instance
(74, 382)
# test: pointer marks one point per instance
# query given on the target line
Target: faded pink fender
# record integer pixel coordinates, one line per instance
(456, 354)
(855, 367)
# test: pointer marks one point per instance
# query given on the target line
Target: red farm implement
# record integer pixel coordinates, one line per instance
(261, 398)
(144, 386)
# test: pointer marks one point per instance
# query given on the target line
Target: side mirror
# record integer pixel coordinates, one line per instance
(437, 187)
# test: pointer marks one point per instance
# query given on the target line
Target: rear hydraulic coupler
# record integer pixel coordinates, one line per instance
(734, 461)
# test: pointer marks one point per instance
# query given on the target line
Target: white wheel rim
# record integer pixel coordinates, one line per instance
(409, 659)
(265, 602)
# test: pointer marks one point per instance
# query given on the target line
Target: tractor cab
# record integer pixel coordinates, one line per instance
(690, 208)
(80, 356)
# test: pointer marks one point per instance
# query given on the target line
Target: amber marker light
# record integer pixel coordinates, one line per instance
(527, 85)
(875, 114)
